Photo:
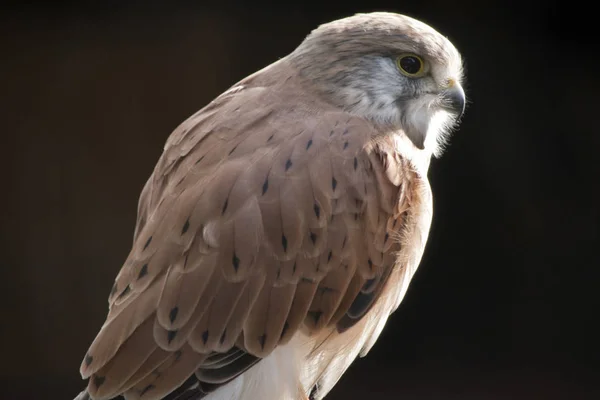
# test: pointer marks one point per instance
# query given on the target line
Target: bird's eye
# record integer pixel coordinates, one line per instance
(410, 65)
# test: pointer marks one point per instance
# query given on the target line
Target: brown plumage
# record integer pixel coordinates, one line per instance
(278, 215)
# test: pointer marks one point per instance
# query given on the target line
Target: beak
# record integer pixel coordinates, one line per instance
(453, 98)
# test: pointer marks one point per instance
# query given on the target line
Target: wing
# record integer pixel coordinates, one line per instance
(262, 218)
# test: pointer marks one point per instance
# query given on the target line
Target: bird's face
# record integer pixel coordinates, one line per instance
(414, 91)
(391, 69)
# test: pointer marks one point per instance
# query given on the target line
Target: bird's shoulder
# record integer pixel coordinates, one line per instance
(258, 117)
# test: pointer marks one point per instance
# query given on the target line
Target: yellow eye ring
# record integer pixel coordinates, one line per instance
(410, 65)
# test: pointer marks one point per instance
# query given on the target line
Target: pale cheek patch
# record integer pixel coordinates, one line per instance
(429, 124)
(415, 121)
(440, 125)
(419, 120)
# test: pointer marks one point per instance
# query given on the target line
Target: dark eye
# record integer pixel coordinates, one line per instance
(410, 65)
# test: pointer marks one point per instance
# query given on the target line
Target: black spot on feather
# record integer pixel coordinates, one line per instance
(387, 236)
(88, 360)
(262, 339)
(284, 242)
(200, 159)
(99, 380)
(205, 336)
(355, 163)
(309, 144)
(143, 271)
(146, 389)
(177, 355)
(225, 206)
(284, 330)
(326, 289)
(370, 264)
(265, 186)
(171, 335)
(173, 314)
(345, 132)
(147, 242)
(236, 262)
(317, 210)
(232, 150)
(333, 183)
(315, 315)
(313, 237)
(186, 226)
(270, 137)
(124, 292)
(329, 256)
(288, 164)
(345, 145)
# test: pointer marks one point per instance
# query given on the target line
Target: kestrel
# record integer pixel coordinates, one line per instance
(283, 222)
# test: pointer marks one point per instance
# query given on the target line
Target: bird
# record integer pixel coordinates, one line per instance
(284, 221)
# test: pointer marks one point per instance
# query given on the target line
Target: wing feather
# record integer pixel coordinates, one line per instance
(132, 354)
(118, 329)
(173, 339)
(264, 325)
(183, 288)
(175, 370)
(259, 221)
(156, 358)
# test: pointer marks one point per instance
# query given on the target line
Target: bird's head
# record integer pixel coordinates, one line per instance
(388, 68)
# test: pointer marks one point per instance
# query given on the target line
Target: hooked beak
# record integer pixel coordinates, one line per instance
(453, 98)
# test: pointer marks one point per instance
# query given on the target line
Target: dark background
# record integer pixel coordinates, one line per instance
(505, 303)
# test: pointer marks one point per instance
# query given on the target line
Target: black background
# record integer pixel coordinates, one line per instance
(505, 303)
